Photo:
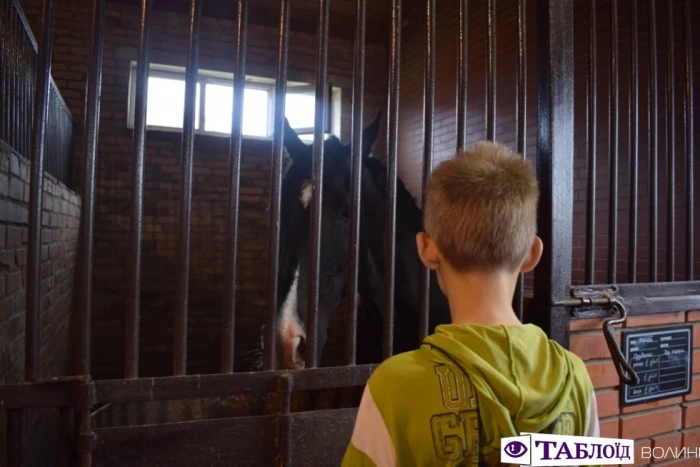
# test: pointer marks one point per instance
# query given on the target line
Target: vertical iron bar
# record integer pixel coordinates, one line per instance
(275, 197)
(390, 225)
(591, 122)
(133, 311)
(14, 438)
(92, 125)
(520, 115)
(183, 248)
(15, 25)
(555, 156)
(317, 184)
(653, 143)
(229, 327)
(358, 95)
(614, 144)
(634, 147)
(36, 190)
(671, 148)
(690, 165)
(428, 122)
(4, 16)
(462, 75)
(491, 72)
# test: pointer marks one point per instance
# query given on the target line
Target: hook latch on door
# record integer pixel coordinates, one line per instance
(623, 368)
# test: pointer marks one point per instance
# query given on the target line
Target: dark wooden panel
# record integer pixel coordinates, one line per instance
(320, 438)
(244, 441)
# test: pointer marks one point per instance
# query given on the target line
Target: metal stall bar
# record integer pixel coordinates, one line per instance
(462, 75)
(591, 123)
(12, 27)
(358, 95)
(614, 142)
(428, 122)
(36, 190)
(317, 183)
(133, 298)
(520, 116)
(390, 225)
(690, 166)
(654, 146)
(555, 99)
(634, 146)
(276, 195)
(5, 9)
(183, 248)
(671, 148)
(234, 188)
(491, 71)
(92, 130)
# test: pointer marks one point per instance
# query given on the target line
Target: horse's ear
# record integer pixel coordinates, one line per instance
(295, 146)
(369, 135)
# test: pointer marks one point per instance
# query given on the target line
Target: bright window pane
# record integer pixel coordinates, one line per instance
(255, 112)
(219, 101)
(217, 108)
(300, 110)
(166, 102)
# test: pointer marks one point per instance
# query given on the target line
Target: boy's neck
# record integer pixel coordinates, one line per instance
(481, 298)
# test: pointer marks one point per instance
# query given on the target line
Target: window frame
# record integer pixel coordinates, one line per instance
(333, 115)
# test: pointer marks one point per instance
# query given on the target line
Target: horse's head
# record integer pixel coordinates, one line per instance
(295, 239)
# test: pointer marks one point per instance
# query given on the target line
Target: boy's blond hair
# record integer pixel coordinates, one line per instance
(481, 208)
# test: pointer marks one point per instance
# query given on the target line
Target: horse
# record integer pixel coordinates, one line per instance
(297, 194)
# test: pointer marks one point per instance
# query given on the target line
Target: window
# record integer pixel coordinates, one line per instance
(214, 104)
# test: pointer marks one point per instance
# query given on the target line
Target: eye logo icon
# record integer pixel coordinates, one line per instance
(515, 449)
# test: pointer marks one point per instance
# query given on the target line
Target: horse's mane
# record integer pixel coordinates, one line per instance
(404, 200)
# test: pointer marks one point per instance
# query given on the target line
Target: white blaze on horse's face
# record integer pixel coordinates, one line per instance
(306, 191)
(292, 337)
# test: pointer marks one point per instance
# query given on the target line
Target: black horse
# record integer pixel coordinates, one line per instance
(335, 238)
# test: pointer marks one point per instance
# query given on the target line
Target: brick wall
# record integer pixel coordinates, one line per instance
(162, 175)
(58, 252)
(411, 122)
(673, 422)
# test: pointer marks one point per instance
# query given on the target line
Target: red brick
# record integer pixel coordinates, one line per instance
(590, 324)
(603, 375)
(608, 402)
(681, 462)
(655, 319)
(668, 441)
(638, 445)
(695, 390)
(652, 405)
(591, 345)
(696, 361)
(609, 428)
(651, 423)
(691, 414)
(691, 437)
(692, 316)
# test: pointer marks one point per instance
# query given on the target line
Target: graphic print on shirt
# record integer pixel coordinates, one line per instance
(456, 432)
(565, 423)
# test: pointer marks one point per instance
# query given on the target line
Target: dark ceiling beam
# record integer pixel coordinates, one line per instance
(342, 26)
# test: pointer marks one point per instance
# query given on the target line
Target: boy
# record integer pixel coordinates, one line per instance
(486, 375)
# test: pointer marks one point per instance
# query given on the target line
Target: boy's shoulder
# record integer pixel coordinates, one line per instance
(404, 370)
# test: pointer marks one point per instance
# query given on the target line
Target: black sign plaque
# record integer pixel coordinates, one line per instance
(663, 360)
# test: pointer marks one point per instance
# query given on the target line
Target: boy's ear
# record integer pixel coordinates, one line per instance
(533, 255)
(427, 250)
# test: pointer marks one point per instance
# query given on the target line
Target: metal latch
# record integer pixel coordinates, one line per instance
(607, 297)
